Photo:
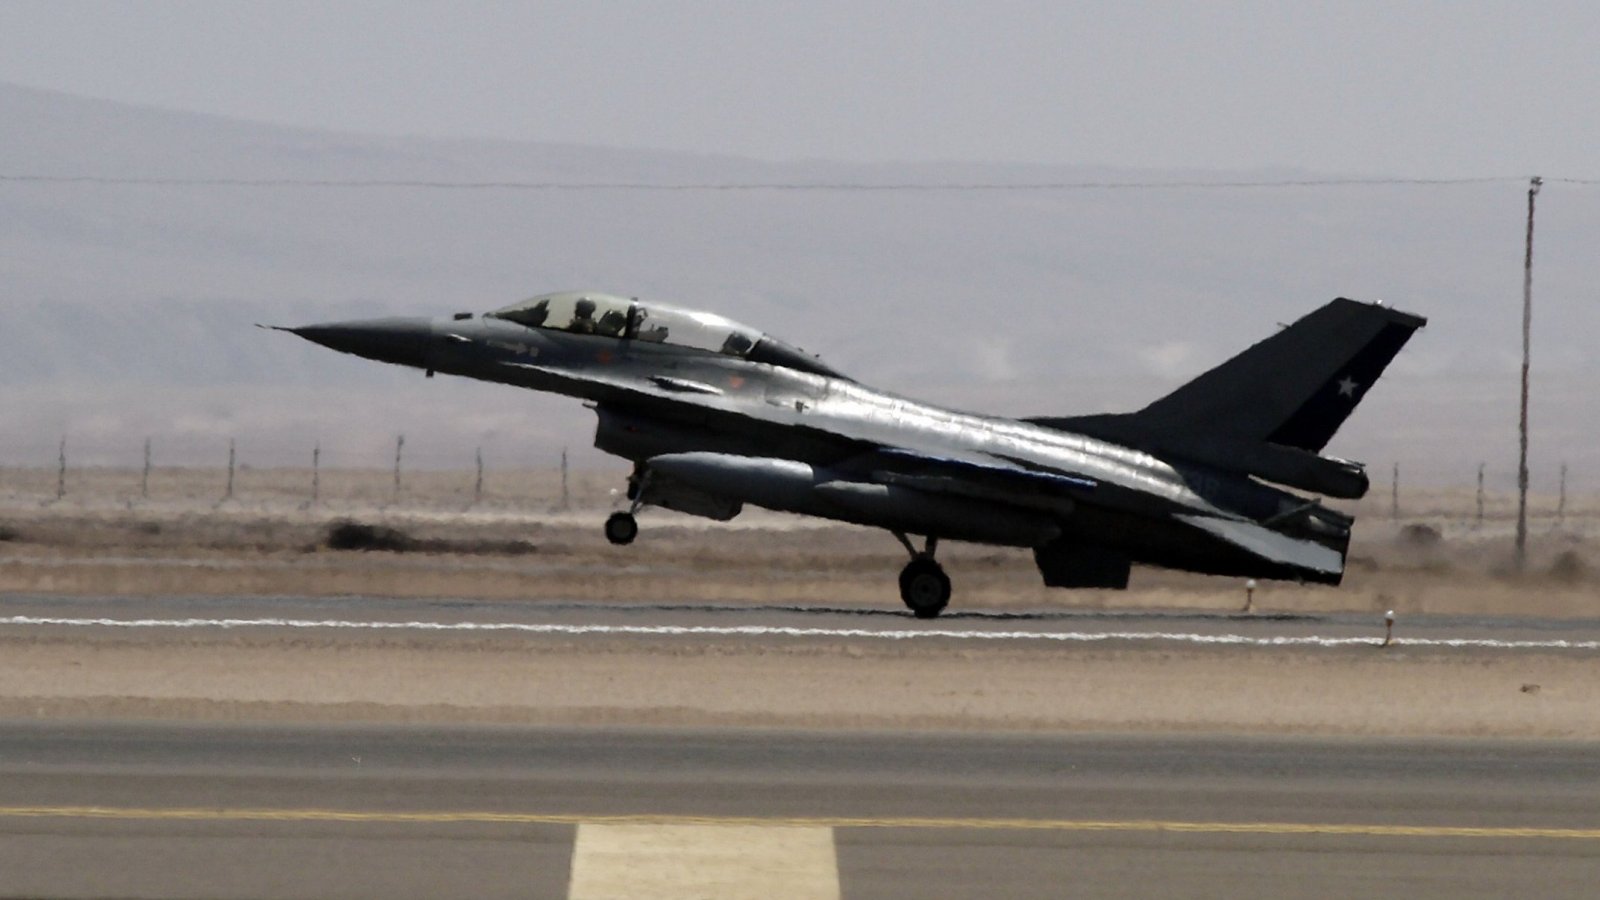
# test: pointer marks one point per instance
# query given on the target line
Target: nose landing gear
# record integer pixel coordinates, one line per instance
(924, 587)
(622, 527)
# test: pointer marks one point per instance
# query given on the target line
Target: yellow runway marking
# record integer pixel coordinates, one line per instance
(703, 862)
(201, 814)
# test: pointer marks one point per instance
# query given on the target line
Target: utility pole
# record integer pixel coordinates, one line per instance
(144, 480)
(61, 469)
(1522, 431)
(228, 494)
(316, 471)
(477, 486)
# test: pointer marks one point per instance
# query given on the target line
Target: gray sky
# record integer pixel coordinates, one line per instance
(1405, 88)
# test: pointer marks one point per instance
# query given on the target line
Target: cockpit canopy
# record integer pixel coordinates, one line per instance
(590, 312)
(575, 311)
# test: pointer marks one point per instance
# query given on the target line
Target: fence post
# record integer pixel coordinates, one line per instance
(61, 469)
(316, 472)
(1561, 499)
(144, 480)
(1394, 494)
(1480, 493)
(477, 485)
(399, 448)
(566, 495)
(232, 457)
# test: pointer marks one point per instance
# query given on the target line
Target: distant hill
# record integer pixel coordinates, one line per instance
(125, 310)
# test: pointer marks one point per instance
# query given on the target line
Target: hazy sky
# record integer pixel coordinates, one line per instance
(1409, 88)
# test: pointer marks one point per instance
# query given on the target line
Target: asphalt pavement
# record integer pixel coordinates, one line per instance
(106, 809)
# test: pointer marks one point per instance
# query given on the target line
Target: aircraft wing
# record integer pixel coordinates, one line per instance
(947, 471)
(979, 476)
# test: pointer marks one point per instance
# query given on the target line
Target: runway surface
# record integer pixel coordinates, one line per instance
(171, 810)
(355, 614)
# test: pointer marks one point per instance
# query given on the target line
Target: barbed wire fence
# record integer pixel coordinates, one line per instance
(1483, 495)
(232, 481)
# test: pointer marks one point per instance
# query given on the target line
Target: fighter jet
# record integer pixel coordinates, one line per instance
(715, 415)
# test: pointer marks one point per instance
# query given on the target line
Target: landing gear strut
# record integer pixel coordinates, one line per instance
(622, 527)
(924, 587)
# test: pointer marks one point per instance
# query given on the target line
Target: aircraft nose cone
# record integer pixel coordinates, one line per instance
(400, 340)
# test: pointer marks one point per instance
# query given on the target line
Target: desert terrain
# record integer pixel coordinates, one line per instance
(437, 547)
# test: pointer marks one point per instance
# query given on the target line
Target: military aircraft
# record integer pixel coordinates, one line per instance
(715, 415)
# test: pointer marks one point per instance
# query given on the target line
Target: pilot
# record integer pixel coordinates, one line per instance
(583, 317)
(612, 323)
(737, 344)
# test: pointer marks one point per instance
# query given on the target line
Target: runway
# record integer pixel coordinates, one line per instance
(294, 659)
(175, 810)
(464, 615)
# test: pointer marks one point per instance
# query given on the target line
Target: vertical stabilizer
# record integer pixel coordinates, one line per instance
(1293, 389)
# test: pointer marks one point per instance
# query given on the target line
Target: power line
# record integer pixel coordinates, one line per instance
(926, 187)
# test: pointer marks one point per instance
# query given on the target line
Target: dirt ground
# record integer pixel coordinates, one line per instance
(519, 542)
(799, 683)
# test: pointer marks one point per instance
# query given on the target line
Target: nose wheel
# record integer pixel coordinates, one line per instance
(924, 587)
(621, 528)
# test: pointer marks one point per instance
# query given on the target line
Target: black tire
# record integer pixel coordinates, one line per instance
(924, 588)
(622, 528)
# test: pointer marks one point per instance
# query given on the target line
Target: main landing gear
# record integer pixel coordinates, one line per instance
(924, 587)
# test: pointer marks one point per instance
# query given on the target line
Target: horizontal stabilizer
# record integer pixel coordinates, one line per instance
(1318, 562)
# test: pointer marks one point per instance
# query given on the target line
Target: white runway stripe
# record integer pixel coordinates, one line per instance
(791, 631)
(706, 862)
